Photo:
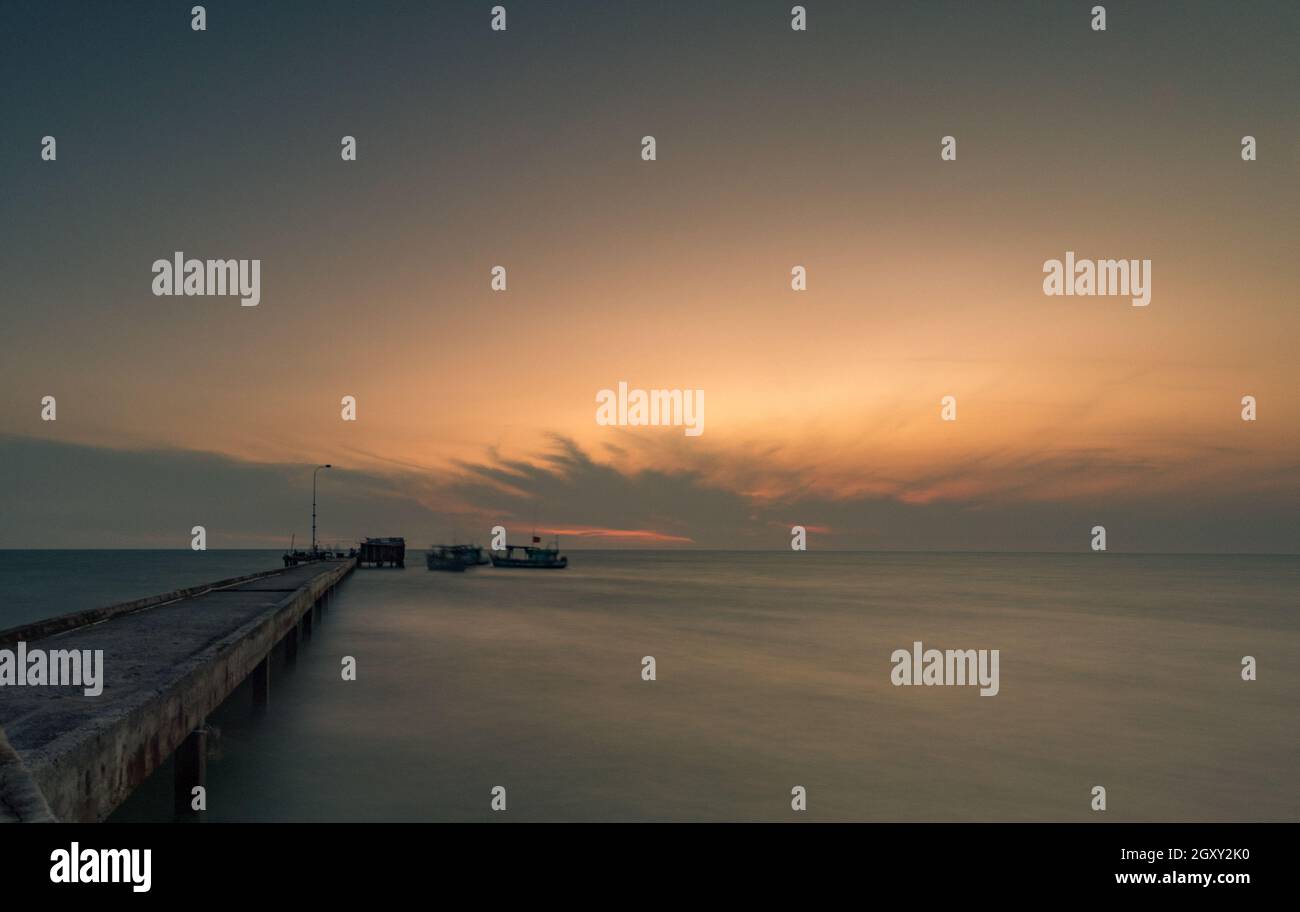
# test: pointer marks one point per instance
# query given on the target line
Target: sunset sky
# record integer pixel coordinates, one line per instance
(775, 149)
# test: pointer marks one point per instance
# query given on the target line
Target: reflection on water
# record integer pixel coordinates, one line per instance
(773, 671)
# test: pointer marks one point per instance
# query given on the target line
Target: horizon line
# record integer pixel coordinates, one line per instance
(755, 551)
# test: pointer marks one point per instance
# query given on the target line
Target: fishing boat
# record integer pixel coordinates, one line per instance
(448, 558)
(455, 558)
(474, 556)
(535, 557)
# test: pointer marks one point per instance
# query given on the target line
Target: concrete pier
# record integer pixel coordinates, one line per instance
(21, 800)
(169, 661)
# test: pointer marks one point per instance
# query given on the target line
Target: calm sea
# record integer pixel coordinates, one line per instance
(40, 584)
(773, 671)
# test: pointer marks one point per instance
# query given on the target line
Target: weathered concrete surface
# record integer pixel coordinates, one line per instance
(51, 626)
(20, 800)
(166, 668)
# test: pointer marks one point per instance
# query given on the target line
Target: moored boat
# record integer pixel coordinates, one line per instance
(473, 555)
(450, 558)
(535, 557)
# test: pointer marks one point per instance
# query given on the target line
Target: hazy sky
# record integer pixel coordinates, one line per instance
(775, 149)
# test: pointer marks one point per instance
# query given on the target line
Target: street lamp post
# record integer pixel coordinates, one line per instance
(313, 505)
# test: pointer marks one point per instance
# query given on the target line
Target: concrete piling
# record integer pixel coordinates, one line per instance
(191, 770)
(261, 676)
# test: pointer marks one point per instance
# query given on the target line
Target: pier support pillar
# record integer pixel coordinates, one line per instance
(291, 644)
(262, 683)
(306, 624)
(191, 764)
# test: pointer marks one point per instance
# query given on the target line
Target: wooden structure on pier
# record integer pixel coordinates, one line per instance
(382, 552)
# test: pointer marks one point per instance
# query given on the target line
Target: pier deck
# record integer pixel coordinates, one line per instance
(167, 664)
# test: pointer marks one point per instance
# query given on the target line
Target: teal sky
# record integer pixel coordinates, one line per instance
(775, 148)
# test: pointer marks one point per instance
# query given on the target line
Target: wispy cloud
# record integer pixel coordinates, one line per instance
(69, 495)
(639, 536)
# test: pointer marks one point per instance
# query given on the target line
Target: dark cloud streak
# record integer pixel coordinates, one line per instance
(74, 496)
